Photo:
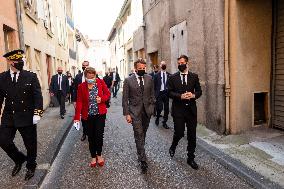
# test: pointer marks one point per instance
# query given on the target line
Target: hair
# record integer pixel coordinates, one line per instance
(139, 61)
(90, 70)
(155, 66)
(184, 57)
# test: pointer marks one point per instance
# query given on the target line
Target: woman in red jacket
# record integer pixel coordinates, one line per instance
(91, 97)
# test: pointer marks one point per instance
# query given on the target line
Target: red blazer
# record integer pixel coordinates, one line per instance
(82, 103)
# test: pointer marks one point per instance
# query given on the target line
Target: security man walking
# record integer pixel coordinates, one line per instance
(23, 109)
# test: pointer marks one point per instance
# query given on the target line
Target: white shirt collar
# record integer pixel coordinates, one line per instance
(12, 72)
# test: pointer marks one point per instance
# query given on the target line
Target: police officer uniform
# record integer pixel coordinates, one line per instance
(21, 92)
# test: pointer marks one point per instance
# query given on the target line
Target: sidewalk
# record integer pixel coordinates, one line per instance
(51, 131)
(261, 150)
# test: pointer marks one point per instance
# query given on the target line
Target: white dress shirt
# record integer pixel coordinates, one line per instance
(114, 76)
(163, 87)
(138, 80)
(60, 81)
(181, 77)
(83, 78)
(12, 74)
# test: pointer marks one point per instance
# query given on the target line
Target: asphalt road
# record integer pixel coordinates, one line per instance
(71, 167)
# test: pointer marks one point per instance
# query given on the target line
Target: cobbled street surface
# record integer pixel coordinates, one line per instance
(71, 168)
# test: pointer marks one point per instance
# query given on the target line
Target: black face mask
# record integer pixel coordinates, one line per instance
(19, 65)
(59, 73)
(141, 73)
(182, 67)
(83, 68)
(164, 67)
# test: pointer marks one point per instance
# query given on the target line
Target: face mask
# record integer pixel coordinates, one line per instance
(140, 73)
(83, 68)
(59, 73)
(90, 81)
(19, 66)
(182, 67)
(164, 67)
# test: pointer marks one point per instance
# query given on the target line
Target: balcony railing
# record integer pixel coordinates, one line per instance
(73, 54)
(70, 22)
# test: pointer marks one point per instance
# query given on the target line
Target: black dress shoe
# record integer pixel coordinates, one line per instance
(165, 126)
(144, 166)
(83, 137)
(30, 173)
(62, 116)
(192, 164)
(172, 151)
(157, 121)
(17, 169)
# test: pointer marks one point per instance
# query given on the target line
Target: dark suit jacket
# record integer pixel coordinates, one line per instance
(22, 100)
(117, 77)
(133, 99)
(158, 82)
(175, 89)
(77, 82)
(54, 87)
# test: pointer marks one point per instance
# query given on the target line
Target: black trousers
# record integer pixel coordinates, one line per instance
(115, 88)
(162, 103)
(189, 120)
(96, 125)
(29, 135)
(61, 100)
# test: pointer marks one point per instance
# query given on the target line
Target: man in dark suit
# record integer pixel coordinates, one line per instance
(23, 109)
(115, 82)
(59, 87)
(184, 88)
(108, 80)
(138, 104)
(80, 78)
(161, 94)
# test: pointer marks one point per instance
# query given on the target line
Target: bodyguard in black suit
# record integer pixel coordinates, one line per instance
(80, 78)
(59, 87)
(115, 82)
(23, 109)
(184, 88)
(161, 94)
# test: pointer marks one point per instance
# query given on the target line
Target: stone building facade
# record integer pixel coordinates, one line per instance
(236, 48)
(45, 32)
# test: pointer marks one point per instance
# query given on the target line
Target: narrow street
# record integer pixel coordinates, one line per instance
(71, 170)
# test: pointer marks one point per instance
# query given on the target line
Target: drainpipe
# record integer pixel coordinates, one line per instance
(20, 24)
(227, 66)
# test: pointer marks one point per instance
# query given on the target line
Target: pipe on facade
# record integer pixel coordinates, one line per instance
(20, 24)
(227, 65)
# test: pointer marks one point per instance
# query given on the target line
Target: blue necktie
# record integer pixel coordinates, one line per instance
(164, 80)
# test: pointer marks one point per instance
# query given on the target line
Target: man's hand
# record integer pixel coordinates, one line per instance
(184, 96)
(128, 119)
(99, 100)
(51, 94)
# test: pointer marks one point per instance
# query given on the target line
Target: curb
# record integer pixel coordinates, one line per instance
(253, 178)
(237, 167)
(50, 155)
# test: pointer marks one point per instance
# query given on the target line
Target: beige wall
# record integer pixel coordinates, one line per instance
(42, 43)
(250, 57)
(8, 17)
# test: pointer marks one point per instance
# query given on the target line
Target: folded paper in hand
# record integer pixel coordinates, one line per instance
(77, 125)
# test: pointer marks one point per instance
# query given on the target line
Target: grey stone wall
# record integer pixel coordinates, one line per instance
(205, 28)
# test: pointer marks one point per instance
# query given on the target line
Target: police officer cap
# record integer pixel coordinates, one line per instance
(14, 55)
